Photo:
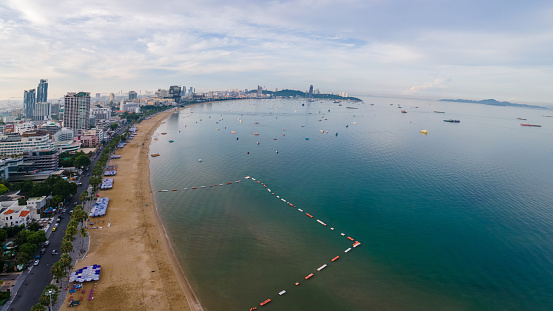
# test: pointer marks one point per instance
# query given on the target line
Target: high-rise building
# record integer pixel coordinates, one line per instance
(311, 91)
(42, 112)
(76, 115)
(42, 91)
(98, 95)
(259, 91)
(132, 95)
(111, 97)
(29, 101)
(174, 93)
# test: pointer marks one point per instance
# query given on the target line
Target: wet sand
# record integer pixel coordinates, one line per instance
(139, 268)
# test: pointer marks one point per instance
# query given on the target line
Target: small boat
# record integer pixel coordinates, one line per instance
(233, 132)
(171, 141)
(282, 292)
(164, 190)
(194, 187)
(321, 267)
(309, 276)
(357, 243)
(452, 121)
(155, 155)
(519, 118)
(256, 134)
(352, 107)
(347, 250)
(163, 133)
(424, 132)
(265, 302)
(535, 125)
(174, 190)
(308, 215)
(436, 111)
(335, 258)
(199, 160)
(403, 111)
(306, 138)
(350, 238)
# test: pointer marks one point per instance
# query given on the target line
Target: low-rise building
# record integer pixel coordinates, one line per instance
(31, 140)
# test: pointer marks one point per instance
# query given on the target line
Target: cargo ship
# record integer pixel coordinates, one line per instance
(452, 121)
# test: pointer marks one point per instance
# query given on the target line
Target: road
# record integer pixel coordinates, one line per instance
(39, 276)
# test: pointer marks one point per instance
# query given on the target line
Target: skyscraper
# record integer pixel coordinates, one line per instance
(76, 115)
(259, 91)
(174, 92)
(132, 95)
(311, 91)
(29, 101)
(42, 91)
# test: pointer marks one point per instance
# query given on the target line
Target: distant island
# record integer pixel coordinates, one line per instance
(491, 102)
(295, 93)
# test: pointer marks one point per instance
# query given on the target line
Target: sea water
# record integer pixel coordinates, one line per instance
(458, 219)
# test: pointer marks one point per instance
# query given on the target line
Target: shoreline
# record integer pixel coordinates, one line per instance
(140, 269)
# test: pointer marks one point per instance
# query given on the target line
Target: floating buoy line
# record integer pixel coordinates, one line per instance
(310, 216)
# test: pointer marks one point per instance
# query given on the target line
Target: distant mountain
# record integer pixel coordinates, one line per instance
(295, 93)
(491, 102)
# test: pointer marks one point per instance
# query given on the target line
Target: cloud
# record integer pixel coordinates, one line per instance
(439, 83)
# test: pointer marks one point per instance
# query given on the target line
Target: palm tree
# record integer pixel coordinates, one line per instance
(58, 271)
(65, 261)
(83, 235)
(83, 196)
(66, 247)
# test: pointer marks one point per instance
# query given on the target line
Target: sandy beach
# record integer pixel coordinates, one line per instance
(139, 269)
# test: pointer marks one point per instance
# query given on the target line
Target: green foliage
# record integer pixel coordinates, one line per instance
(57, 271)
(81, 160)
(26, 186)
(38, 307)
(14, 230)
(26, 252)
(66, 247)
(64, 188)
(45, 298)
(4, 297)
(3, 236)
(36, 237)
(113, 126)
(39, 190)
(3, 189)
(34, 226)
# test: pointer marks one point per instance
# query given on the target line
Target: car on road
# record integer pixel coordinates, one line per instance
(42, 251)
(55, 228)
(64, 210)
(36, 262)
(47, 243)
(54, 252)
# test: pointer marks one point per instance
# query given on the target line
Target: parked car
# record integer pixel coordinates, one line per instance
(47, 243)
(36, 262)
(54, 252)
(42, 251)
(54, 229)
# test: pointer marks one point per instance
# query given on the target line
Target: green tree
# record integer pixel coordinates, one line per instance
(64, 188)
(34, 226)
(3, 236)
(81, 160)
(56, 200)
(57, 271)
(21, 237)
(80, 216)
(3, 189)
(26, 186)
(38, 307)
(66, 247)
(83, 196)
(113, 126)
(36, 237)
(26, 252)
(83, 235)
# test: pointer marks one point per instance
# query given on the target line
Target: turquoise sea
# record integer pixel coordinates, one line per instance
(458, 219)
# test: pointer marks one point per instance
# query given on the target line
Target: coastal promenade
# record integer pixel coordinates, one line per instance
(139, 269)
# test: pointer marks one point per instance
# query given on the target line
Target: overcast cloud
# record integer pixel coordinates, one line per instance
(425, 48)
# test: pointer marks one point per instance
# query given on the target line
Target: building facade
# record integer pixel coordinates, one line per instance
(132, 95)
(42, 91)
(76, 115)
(101, 113)
(42, 112)
(29, 101)
(41, 160)
(18, 144)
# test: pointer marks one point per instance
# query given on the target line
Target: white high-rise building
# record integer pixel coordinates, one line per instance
(76, 115)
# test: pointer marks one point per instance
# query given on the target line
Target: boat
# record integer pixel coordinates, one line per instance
(352, 107)
(452, 121)
(347, 250)
(335, 258)
(155, 155)
(163, 133)
(335, 101)
(256, 134)
(171, 141)
(519, 118)
(436, 111)
(321, 267)
(265, 302)
(424, 132)
(233, 132)
(194, 187)
(403, 111)
(309, 276)
(535, 125)
(282, 292)
(199, 160)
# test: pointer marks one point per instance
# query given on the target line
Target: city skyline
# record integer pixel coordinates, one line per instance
(444, 49)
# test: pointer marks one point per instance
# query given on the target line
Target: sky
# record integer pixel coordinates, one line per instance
(410, 48)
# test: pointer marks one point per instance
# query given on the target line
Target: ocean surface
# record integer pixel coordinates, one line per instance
(458, 219)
